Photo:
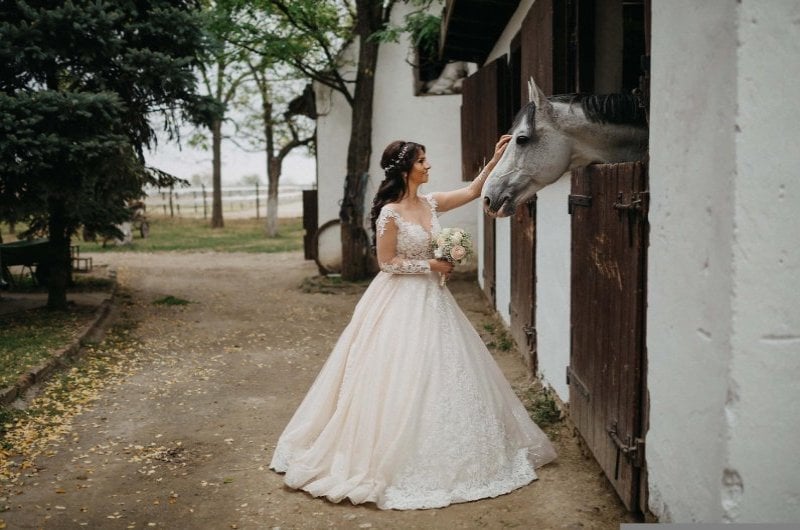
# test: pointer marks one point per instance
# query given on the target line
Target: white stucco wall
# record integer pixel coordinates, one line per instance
(723, 321)
(502, 270)
(333, 136)
(553, 233)
(764, 389)
(398, 114)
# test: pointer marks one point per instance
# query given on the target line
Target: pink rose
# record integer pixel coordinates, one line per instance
(458, 252)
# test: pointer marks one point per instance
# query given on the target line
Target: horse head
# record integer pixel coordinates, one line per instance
(552, 136)
(537, 155)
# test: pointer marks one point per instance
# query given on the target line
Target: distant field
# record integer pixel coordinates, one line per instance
(238, 235)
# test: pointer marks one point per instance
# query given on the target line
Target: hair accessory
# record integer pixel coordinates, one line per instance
(399, 158)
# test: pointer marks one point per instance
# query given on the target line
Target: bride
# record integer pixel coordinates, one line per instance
(410, 410)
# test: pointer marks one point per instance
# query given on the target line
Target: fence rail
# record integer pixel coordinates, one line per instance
(247, 201)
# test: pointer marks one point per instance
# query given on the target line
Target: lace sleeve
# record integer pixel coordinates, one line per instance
(386, 235)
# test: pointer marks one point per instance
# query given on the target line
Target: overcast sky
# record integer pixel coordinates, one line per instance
(298, 168)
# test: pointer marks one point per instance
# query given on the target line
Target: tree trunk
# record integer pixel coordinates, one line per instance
(216, 178)
(355, 242)
(58, 265)
(273, 176)
(273, 163)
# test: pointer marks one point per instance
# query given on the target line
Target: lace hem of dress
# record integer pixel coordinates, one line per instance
(519, 473)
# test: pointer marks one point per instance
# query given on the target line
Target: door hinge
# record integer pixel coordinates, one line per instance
(578, 200)
(631, 448)
(530, 332)
(579, 386)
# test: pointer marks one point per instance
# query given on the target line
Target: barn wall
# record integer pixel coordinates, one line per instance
(503, 226)
(692, 170)
(763, 391)
(333, 126)
(553, 264)
(434, 121)
(723, 319)
(552, 259)
(398, 114)
(502, 271)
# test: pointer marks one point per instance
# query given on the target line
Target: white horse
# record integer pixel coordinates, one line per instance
(554, 135)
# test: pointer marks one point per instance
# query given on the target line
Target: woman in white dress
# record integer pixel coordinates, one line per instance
(410, 410)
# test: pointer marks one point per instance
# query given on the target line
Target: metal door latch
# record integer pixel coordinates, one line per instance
(631, 449)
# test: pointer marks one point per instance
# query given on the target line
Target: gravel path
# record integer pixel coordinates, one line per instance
(184, 440)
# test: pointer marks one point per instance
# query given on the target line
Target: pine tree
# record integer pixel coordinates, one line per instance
(80, 82)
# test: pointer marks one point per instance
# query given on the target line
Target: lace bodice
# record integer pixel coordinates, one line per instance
(412, 245)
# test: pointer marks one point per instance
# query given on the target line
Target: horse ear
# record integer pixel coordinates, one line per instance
(536, 96)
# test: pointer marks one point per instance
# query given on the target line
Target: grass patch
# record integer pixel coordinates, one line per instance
(185, 234)
(171, 300)
(497, 337)
(504, 341)
(542, 408)
(29, 337)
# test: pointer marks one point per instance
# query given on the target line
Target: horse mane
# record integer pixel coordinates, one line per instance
(621, 109)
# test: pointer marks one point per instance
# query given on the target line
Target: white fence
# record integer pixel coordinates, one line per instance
(237, 201)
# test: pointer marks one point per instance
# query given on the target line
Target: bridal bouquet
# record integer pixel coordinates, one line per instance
(453, 245)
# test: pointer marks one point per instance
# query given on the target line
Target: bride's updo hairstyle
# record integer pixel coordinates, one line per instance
(397, 160)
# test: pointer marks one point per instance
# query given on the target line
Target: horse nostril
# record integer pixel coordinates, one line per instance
(487, 201)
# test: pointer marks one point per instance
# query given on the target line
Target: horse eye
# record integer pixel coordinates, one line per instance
(522, 139)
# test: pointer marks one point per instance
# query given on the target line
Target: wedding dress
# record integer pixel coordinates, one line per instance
(410, 410)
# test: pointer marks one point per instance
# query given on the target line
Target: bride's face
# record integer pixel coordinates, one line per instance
(419, 171)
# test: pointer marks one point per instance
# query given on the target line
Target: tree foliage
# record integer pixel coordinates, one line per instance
(80, 83)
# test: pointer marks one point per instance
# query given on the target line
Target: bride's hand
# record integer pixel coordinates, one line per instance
(440, 265)
(500, 147)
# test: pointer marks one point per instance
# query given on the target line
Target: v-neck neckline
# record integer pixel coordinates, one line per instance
(430, 211)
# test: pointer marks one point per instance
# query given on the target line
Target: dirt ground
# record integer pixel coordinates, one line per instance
(184, 440)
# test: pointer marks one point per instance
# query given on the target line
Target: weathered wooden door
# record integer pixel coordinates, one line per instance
(483, 118)
(522, 306)
(606, 373)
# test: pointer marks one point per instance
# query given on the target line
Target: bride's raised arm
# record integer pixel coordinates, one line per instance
(447, 200)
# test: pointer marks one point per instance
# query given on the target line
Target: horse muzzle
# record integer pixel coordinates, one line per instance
(501, 206)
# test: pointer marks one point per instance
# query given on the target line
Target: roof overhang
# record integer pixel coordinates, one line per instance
(471, 28)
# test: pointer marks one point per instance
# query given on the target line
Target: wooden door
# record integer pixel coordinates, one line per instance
(483, 117)
(606, 372)
(522, 307)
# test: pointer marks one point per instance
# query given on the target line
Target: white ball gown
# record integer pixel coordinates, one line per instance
(410, 410)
